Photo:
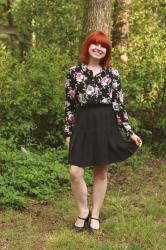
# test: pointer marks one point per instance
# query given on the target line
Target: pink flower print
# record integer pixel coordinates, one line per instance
(104, 80)
(71, 118)
(79, 76)
(115, 84)
(115, 71)
(72, 93)
(119, 120)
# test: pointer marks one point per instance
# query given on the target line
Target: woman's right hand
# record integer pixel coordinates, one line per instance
(136, 139)
(67, 141)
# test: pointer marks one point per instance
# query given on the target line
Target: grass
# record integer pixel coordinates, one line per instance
(133, 217)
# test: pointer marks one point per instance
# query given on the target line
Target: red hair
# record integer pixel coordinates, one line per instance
(97, 37)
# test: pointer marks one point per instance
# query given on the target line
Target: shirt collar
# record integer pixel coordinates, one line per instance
(84, 67)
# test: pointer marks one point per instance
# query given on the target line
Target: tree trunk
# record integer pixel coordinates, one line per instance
(120, 32)
(8, 30)
(97, 17)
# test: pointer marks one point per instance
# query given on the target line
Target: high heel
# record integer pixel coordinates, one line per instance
(86, 220)
(91, 229)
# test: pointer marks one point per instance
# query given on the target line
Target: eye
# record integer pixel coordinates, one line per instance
(103, 46)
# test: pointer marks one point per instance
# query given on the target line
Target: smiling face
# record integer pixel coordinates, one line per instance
(97, 51)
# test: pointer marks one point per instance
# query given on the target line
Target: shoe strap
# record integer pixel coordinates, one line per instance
(95, 218)
(82, 218)
(86, 217)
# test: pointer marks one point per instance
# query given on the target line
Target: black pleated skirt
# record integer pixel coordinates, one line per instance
(96, 138)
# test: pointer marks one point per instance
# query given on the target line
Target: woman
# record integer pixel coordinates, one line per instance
(94, 112)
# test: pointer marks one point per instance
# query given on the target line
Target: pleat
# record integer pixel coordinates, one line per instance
(96, 139)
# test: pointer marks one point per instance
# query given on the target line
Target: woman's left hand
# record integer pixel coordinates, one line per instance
(136, 139)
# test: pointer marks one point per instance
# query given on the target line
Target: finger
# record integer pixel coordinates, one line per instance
(137, 142)
(138, 138)
(140, 142)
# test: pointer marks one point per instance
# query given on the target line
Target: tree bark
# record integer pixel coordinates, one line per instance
(120, 33)
(7, 9)
(97, 17)
(8, 30)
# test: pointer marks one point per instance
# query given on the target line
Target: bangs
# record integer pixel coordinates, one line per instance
(100, 40)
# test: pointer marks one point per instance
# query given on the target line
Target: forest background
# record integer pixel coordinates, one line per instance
(39, 41)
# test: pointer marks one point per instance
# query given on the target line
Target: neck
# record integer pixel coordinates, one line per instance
(93, 62)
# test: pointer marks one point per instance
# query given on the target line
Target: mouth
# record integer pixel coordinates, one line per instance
(97, 52)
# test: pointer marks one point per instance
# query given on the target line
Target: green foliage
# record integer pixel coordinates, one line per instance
(32, 97)
(132, 218)
(26, 174)
(52, 22)
(33, 68)
(141, 159)
(32, 86)
(143, 77)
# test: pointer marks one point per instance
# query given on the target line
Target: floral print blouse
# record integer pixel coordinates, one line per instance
(82, 89)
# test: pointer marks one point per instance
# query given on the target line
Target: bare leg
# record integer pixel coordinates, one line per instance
(99, 190)
(79, 190)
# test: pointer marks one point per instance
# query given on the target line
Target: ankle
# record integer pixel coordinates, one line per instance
(84, 212)
(95, 214)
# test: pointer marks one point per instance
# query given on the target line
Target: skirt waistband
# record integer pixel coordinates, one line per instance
(95, 105)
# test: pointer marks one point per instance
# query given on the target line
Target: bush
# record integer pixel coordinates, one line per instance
(26, 174)
(32, 97)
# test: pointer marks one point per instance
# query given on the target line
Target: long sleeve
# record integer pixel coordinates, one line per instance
(70, 103)
(118, 104)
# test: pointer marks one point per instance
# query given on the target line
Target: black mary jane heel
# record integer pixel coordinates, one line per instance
(81, 229)
(91, 229)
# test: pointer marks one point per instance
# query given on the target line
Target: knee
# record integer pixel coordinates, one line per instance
(100, 174)
(76, 173)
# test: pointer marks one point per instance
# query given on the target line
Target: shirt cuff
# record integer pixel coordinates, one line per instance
(67, 134)
(130, 132)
